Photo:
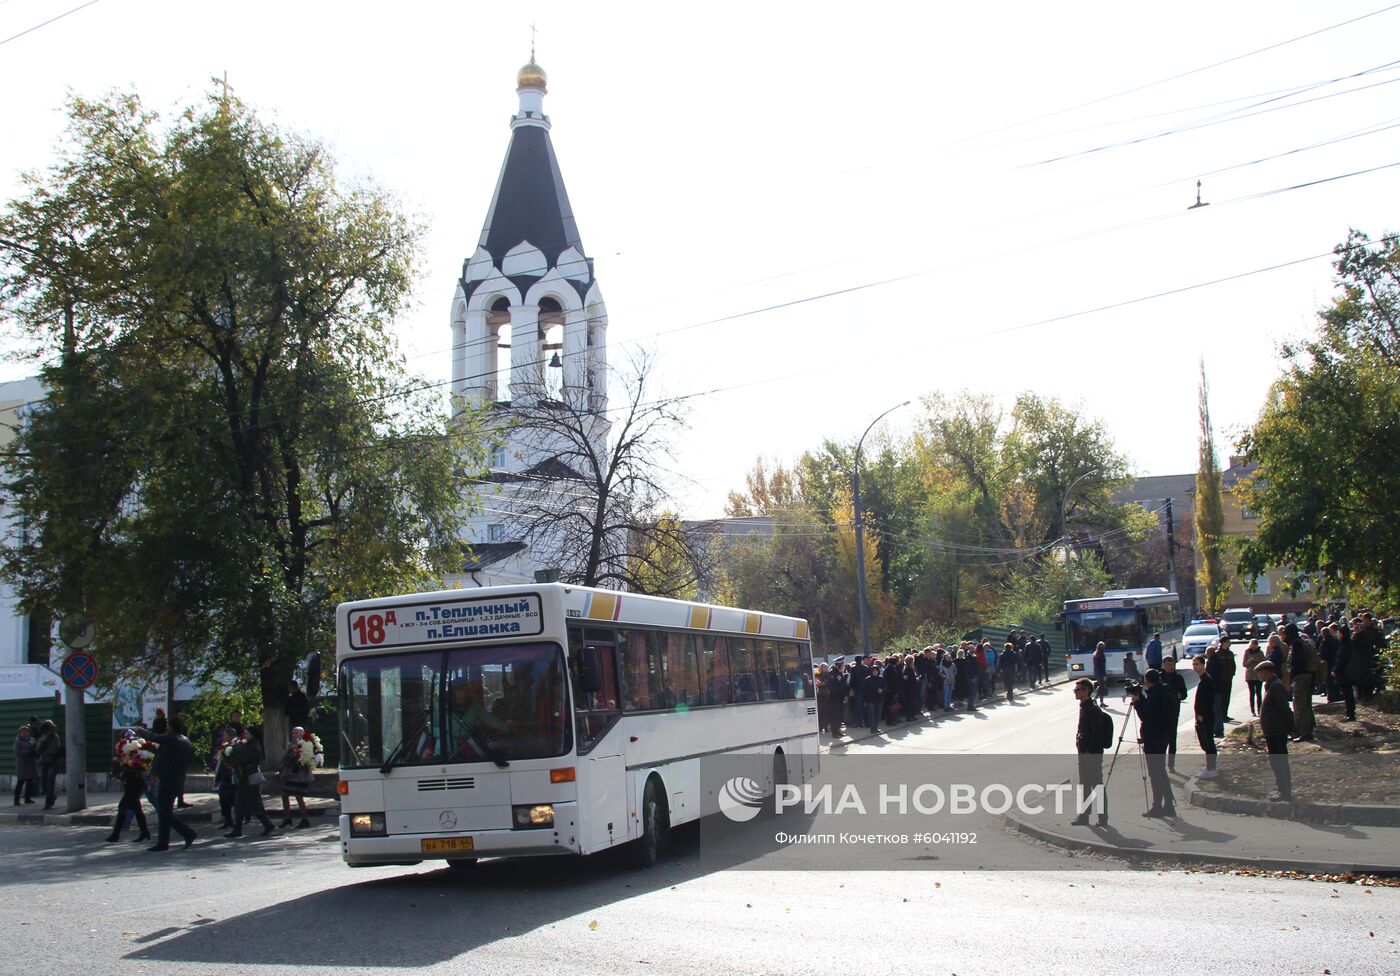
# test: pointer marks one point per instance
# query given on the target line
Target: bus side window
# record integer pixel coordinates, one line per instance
(680, 669)
(766, 669)
(790, 667)
(657, 669)
(741, 667)
(595, 710)
(636, 671)
(714, 670)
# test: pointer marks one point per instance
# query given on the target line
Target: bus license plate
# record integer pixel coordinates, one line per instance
(445, 845)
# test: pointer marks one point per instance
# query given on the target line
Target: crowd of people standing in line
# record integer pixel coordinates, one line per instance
(872, 693)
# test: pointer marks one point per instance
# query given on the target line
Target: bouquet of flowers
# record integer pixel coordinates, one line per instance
(134, 752)
(238, 751)
(308, 752)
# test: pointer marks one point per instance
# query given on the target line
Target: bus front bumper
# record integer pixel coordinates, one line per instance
(410, 848)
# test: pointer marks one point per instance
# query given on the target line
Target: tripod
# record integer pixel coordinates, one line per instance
(1142, 760)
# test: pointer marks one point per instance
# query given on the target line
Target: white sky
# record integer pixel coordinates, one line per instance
(726, 157)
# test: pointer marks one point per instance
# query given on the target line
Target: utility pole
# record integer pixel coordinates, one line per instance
(1171, 548)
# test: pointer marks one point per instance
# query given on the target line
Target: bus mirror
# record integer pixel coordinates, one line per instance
(590, 671)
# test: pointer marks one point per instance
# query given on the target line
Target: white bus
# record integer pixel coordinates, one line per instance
(552, 719)
(1125, 621)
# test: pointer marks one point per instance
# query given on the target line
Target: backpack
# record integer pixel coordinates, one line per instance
(1316, 665)
(1105, 729)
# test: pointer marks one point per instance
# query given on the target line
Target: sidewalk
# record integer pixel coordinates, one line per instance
(1200, 835)
(102, 810)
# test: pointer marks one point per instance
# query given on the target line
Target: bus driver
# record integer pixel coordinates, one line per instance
(467, 717)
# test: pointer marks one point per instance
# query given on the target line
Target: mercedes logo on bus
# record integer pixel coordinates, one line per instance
(448, 819)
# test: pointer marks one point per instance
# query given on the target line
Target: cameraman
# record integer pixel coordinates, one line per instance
(1150, 702)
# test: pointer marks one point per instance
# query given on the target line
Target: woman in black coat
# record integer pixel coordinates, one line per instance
(912, 705)
(133, 788)
(26, 764)
(246, 762)
(50, 746)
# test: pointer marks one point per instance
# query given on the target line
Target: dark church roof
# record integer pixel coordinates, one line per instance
(530, 204)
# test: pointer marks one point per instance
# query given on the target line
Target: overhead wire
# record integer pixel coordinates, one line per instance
(1176, 77)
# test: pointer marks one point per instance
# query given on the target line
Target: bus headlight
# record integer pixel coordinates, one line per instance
(534, 817)
(367, 825)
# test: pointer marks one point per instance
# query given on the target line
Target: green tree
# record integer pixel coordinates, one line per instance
(1327, 442)
(1036, 591)
(1210, 513)
(229, 446)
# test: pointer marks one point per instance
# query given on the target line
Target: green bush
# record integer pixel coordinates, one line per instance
(209, 709)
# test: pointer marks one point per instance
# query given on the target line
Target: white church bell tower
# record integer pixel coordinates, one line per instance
(529, 328)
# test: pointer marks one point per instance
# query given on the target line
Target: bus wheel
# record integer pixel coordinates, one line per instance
(462, 863)
(653, 837)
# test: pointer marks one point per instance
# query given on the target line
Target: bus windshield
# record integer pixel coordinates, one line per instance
(1118, 629)
(470, 704)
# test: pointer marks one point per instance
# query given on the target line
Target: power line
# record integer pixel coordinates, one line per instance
(1207, 123)
(46, 23)
(1175, 77)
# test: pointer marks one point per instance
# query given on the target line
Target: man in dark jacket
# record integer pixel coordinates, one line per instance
(1008, 661)
(1224, 684)
(1153, 713)
(1347, 668)
(1100, 660)
(1328, 647)
(1205, 715)
(174, 753)
(1175, 685)
(1276, 723)
(1301, 674)
(873, 697)
(856, 690)
(1088, 743)
(298, 707)
(835, 687)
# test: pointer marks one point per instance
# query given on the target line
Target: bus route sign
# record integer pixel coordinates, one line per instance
(445, 621)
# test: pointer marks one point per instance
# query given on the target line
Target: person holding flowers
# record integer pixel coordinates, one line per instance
(244, 756)
(133, 761)
(299, 762)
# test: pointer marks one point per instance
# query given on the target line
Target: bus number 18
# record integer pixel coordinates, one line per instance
(370, 627)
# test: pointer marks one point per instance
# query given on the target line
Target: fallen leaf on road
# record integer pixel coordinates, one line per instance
(593, 925)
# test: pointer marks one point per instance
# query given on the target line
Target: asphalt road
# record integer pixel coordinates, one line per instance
(288, 904)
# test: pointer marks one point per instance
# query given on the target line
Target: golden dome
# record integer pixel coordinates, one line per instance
(531, 76)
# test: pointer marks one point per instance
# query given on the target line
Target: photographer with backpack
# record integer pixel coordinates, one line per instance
(1093, 735)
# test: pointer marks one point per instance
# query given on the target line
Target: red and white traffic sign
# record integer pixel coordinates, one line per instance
(79, 671)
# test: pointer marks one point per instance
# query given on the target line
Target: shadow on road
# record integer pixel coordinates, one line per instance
(427, 917)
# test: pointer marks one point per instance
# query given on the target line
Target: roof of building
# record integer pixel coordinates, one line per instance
(550, 469)
(484, 554)
(530, 203)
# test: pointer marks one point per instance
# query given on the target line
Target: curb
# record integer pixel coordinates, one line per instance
(1359, 815)
(105, 819)
(1153, 855)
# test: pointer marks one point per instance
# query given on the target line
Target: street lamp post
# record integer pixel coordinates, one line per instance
(1064, 503)
(860, 534)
